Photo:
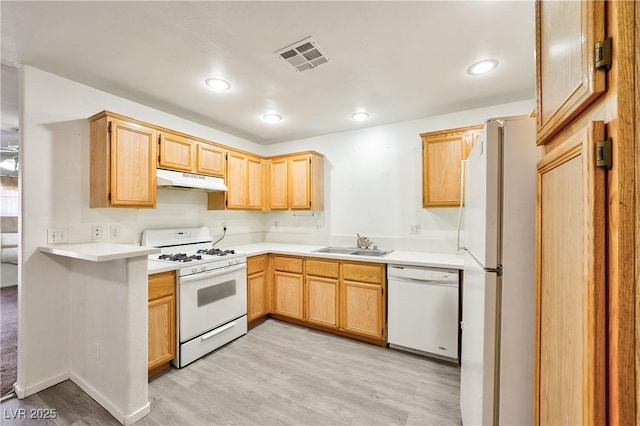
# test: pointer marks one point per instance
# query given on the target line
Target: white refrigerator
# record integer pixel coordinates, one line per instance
(497, 235)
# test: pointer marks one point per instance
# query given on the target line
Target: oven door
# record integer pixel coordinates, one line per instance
(210, 299)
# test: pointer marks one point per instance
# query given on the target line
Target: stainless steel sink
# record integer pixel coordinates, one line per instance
(335, 250)
(371, 252)
(354, 251)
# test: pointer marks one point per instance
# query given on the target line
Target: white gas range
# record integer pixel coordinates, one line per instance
(212, 289)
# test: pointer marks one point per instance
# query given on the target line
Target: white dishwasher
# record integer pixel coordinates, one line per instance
(422, 310)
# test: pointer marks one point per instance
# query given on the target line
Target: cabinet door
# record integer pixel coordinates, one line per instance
(176, 153)
(257, 296)
(162, 331)
(321, 301)
(209, 160)
(288, 289)
(468, 141)
(442, 155)
(570, 370)
(236, 174)
(299, 182)
(254, 182)
(133, 165)
(278, 198)
(362, 309)
(567, 79)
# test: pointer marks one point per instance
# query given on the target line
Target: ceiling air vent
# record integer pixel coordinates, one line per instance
(303, 55)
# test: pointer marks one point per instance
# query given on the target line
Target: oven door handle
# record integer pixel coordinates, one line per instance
(216, 272)
(217, 331)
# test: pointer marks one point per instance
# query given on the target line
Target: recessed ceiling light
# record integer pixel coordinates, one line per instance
(272, 118)
(360, 116)
(218, 84)
(482, 67)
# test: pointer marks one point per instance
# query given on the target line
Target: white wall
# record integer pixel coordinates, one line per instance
(373, 185)
(55, 194)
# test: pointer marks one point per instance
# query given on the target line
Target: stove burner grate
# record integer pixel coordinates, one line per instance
(215, 252)
(179, 257)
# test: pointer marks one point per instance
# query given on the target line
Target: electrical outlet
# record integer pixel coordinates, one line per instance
(115, 232)
(96, 233)
(414, 229)
(224, 226)
(275, 224)
(57, 235)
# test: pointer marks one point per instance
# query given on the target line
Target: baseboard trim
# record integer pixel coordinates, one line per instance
(30, 390)
(125, 419)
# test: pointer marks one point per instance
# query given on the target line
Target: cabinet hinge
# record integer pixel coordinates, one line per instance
(226, 155)
(603, 54)
(158, 158)
(226, 203)
(309, 160)
(603, 153)
(109, 129)
(109, 196)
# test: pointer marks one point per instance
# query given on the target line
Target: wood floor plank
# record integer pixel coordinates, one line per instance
(281, 374)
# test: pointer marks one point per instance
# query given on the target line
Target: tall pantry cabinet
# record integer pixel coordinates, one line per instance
(586, 113)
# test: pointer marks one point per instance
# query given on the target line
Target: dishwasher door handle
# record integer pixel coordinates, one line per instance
(417, 281)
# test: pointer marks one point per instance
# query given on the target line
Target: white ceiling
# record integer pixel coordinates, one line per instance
(396, 60)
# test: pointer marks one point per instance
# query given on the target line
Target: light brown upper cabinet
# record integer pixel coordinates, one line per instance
(568, 80)
(442, 155)
(122, 162)
(244, 178)
(295, 182)
(209, 159)
(177, 152)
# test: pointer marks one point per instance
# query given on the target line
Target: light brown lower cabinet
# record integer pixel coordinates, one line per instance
(288, 286)
(337, 296)
(322, 283)
(363, 307)
(162, 321)
(257, 288)
(288, 292)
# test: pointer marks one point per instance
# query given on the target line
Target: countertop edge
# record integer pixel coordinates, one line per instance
(98, 252)
(396, 257)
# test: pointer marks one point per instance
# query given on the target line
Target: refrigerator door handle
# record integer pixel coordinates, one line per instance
(462, 177)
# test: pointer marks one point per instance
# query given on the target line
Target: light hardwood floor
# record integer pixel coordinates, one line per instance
(281, 374)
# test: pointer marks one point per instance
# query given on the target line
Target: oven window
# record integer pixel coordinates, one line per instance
(216, 292)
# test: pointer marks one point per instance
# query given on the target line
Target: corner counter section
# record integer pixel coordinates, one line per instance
(109, 324)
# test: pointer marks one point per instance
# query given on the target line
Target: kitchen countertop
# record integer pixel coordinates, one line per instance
(396, 257)
(98, 252)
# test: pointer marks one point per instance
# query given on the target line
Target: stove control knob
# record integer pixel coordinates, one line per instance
(203, 268)
(194, 269)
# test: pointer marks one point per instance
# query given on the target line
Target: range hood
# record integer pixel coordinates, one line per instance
(189, 180)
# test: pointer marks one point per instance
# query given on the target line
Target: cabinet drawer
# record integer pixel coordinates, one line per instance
(162, 284)
(373, 274)
(256, 264)
(287, 264)
(322, 268)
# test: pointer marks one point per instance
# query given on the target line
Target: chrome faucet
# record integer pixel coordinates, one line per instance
(363, 242)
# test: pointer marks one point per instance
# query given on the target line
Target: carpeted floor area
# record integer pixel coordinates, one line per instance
(9, 338)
